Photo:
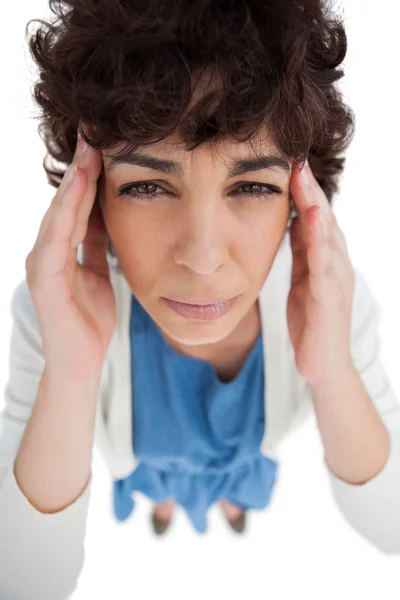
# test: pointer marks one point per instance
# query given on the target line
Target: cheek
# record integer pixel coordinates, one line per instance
(264, 230)
(138, 242)
(143, 242)
(257, 249)
(258, 246)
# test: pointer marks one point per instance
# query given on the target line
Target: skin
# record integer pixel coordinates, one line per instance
(197, 240)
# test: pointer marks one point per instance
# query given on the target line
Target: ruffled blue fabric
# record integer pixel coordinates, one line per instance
(197, 438)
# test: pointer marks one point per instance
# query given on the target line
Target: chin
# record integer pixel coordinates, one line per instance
(197, 334)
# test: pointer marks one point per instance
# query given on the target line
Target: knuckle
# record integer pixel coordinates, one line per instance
(28, 261)
(31, 281)
(31, 277)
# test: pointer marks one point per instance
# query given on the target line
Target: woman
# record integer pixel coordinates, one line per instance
(194, 120)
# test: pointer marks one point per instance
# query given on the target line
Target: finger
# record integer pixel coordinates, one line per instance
(302, 193)
(92, 163)
(333, 232)
(55, 245)
(297, 237)
(50, 211)
(94, 246)
(57, 198)
(313, 186)
(299, 252)
(319, 255)
(308, 194)
(303, 197)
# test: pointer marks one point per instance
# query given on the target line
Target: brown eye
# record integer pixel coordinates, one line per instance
(253, 190)
(138, 191)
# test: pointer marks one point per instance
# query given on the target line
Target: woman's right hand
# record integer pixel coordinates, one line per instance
(75, 304)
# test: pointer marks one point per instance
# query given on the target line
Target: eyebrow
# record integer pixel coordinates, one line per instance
(238, 167)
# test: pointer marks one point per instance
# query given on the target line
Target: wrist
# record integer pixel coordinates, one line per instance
(338, 375)
(52, 375)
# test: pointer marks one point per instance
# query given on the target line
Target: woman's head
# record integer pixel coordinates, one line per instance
(201, 85)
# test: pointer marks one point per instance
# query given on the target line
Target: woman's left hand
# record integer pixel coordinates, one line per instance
(320, 300)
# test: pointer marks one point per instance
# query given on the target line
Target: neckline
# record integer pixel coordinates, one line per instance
(183, 357)
(177, 355)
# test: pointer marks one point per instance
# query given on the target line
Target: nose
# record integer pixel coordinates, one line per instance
(203, 244)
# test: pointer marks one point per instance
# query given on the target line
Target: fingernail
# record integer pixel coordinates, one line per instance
(71, 173)
(68, 177)
(82, 142)
(304, 175)
(84, 145)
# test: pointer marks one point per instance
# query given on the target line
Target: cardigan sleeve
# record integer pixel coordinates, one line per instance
(41, 555)
(373, 508)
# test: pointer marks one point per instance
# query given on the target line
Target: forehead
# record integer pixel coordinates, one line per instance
(225, 148)
(177, 160)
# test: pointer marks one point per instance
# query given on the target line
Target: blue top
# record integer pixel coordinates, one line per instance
(197, 438)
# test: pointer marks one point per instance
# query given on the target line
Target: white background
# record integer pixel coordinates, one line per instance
(301, 546)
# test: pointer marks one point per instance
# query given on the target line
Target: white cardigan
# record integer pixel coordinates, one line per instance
(33, 544)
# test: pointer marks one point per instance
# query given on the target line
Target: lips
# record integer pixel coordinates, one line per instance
(200, 302)
(202, 312)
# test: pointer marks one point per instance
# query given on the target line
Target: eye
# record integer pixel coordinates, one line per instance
(129, 190)
(256, 194)
(145, 191)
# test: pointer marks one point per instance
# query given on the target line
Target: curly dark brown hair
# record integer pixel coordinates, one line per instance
(129, 69)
